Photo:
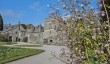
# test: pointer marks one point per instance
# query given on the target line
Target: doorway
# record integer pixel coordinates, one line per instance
(10, 38)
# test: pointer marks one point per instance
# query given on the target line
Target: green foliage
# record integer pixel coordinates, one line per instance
(29, 26)
(24, 26)
(8, 54)
(91, 42)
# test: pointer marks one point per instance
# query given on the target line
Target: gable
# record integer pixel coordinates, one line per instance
(21, 28)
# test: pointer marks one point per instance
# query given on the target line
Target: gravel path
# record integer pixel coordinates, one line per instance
(43, 58)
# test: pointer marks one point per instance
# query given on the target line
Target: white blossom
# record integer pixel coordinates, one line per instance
(82, 5)
(64, 5)
(76, 48)
(91, 7)
(79, 50)
(98, 28)
(96, 12)
(91, 22)
(94, 36)
(88, 26)
(106, 45)
(57, 9)
(97, 51)
(78, 42)
(100, 33)
(102, 52)
(108, 40)
(79, 17)
(94, 29)
(82, 57)
(102, 14)
(107, 21)
(106, 62)
(83, 52)
(76, 10)
(96, 56)
(100, 5)
(99, 43)
(51, 12)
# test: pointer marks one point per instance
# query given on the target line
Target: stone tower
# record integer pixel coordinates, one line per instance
(1, 23)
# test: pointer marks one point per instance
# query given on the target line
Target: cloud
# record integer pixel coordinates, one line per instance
(36, 6)
(11, 14)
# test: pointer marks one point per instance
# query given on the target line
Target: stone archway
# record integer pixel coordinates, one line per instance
(51, 40)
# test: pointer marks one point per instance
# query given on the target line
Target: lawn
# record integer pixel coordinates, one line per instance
(7, 43)
(8, 54)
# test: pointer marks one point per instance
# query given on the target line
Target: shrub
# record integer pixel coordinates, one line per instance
(3, 38)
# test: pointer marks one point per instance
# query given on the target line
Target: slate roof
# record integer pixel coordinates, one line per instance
(27, 28)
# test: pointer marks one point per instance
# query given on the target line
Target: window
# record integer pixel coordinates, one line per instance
(16, 32)
(51, 40)
(50, 31)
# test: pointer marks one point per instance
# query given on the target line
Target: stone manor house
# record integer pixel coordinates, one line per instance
(46, 34)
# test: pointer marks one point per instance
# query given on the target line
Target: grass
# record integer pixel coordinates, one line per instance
(7, 43)
(8, 54)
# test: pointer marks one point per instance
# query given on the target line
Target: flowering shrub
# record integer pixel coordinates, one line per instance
(87, 36)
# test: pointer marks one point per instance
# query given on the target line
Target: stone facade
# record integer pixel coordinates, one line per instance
(50, 33)
(46, 34)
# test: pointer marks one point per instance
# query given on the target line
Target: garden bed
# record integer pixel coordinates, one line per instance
(8, 54)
